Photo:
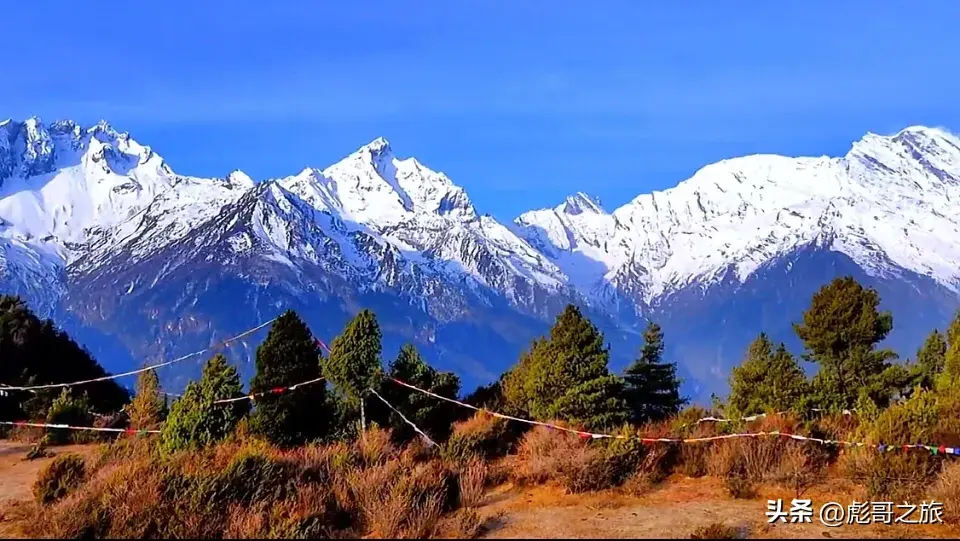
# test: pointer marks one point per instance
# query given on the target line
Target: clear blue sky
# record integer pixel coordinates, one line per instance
(520, 102)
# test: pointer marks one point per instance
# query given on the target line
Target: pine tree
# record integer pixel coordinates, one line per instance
(951, 358)
(767, 380)
(566, 374)
(929, 364)
(194, 420)
(840, 331)
(596, 404)
(149, 407)
(652, 387)
(354, 362)
(574, 354)
(288, 356)
(433, 416)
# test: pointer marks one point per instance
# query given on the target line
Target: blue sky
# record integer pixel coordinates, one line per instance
(520, 102)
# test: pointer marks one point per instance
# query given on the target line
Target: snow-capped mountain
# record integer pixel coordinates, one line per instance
(97, 230)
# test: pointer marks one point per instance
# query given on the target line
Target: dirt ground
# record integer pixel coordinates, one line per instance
(17, 475)
(674, 510)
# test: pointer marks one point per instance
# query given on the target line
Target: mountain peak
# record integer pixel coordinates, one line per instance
(580, 203)
(377, 146)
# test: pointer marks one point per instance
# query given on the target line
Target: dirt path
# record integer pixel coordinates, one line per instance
(17, 475)
(673, 511)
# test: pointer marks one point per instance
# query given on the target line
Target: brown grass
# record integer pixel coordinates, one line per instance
(250, 489)
(947, 490)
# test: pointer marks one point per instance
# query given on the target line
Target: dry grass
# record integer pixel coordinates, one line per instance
(472, 479)
(250, 489)
(947, 490)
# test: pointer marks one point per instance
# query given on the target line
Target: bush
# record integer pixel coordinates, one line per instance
(717, 530)
(58, 478)
(481, 435)
(70, 410)
(472, 479)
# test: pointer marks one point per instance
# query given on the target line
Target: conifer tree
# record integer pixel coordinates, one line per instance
(767, 380)
(574, 354)
(149, 406)
(840, 331)
(433, 416)
(289, 355)
(194, 420)
(354, 362)
(951, 359)
(567, 375)
(652, 387)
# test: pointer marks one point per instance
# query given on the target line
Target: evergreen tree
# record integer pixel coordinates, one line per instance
(595, 404)
(67, 409)
(767, 380)
(194, 420)
(840, 331)
(36, 352)
(570, 365)
(652, 387)
(951, 358)
(433, 416)
(149, 406)
(289, 355)
(931, 359)
(354, 361)
(574, 354)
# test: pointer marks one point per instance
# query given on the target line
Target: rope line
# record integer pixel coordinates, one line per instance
(144, 369)
(402, 416)
(939, 449)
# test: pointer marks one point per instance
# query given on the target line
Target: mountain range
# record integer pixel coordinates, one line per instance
(139, 262)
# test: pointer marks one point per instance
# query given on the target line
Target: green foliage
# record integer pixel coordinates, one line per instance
(652, 387)
(354, 360)
(840, 331)
(289, 355)
(767, 380)
(567, 374)
(149, 406)
(58, 478)
(433, 416)
(67, 409)
(594, 404)
(194, 421)
(951, 361)
(931, 360)
(487, 396)
(36, 352)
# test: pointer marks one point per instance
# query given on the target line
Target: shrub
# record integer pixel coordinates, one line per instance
(472, 480)
(64, 474)
(544, 453)
(38, 450)
(70, 410)
(194, 421)
(900, 476)
(481, 435)
(717, 530)
(739, 486)
(799, 468)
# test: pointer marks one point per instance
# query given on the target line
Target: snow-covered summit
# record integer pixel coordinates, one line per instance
(74, 197)
(891, 202)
